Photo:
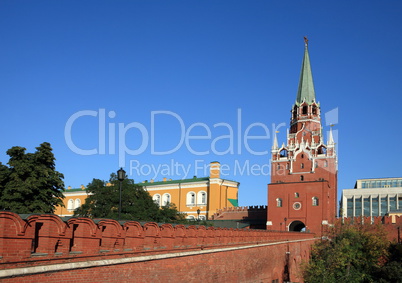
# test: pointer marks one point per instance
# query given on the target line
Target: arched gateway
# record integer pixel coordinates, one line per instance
(297, 226)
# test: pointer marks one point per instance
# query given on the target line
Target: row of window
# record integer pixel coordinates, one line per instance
(192, 199)
(376, 206)
(73, 204)
(314, 201)
(391, 183)
(302, 165)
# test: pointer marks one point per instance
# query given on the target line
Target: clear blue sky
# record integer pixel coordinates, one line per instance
(205, 66)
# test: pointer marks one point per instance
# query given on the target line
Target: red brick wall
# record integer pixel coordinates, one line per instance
(44, 248)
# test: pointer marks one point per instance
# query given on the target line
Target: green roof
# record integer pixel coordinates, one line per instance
(234, 202)
(305, 91)
(173, 181)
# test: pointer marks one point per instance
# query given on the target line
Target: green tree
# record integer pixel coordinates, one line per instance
(31, 183)
(352, 254)
(137, 204)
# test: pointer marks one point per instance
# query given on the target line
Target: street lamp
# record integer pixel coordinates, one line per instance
(198, 212)
(121, 174)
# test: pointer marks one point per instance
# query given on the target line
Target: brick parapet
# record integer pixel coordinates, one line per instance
(240, 212)
(41, 239)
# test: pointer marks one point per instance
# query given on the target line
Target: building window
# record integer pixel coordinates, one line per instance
(70, 204)
(301, 178)
(305, 108)
(302, 165)
(366, 206)
(202, 198)
(279, 202)
(157, 199)
(325, 163)
(190, 199)
(296, 195)
(349, 207)
(166, 199)
(358, 206)
(283, 153)
(77, 203)
(315, 201)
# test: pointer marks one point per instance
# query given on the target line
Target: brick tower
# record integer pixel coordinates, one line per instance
(302, 194)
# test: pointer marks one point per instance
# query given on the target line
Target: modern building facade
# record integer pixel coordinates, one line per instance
(303, 189)
(372, 197)
(204, 195)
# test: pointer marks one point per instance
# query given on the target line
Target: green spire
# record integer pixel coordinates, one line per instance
(306, 86)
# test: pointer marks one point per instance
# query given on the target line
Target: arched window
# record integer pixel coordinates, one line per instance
(305, 109)
(202, 198)
(157, 199)
(302, 165)
(315, 201)
(296, 195)
(190, 198)
(279, 202)
(166, 199)
(283, 153)
(77, 203)
(301, 178)
(314, 110)
(70, 204)
(322, 150)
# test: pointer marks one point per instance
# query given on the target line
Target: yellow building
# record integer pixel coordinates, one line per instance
(205, 194)
(74, 198)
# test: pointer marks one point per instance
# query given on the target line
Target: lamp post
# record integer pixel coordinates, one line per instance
(121, 174)
(198, 212)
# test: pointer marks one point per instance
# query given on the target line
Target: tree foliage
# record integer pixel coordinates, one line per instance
(352, 254)
(31, 184)
(137, 204)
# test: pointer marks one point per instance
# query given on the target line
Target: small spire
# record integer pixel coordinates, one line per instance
(331, 137)
(275, 144)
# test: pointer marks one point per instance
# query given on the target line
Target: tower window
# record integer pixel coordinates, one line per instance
(314, 110)
(304, 111)
(302, 165)
(279, 202)
(325, 163)
(301, 178)
(296, 195)
(283, 153)
(322, 150)
(315, 201)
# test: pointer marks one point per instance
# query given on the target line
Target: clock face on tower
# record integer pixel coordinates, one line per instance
(296, 205)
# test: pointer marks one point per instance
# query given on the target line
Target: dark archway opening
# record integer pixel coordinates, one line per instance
(297, 226)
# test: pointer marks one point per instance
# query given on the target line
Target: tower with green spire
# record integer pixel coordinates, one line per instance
(303, 189)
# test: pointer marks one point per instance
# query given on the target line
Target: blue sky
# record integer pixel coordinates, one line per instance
(180, 69)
